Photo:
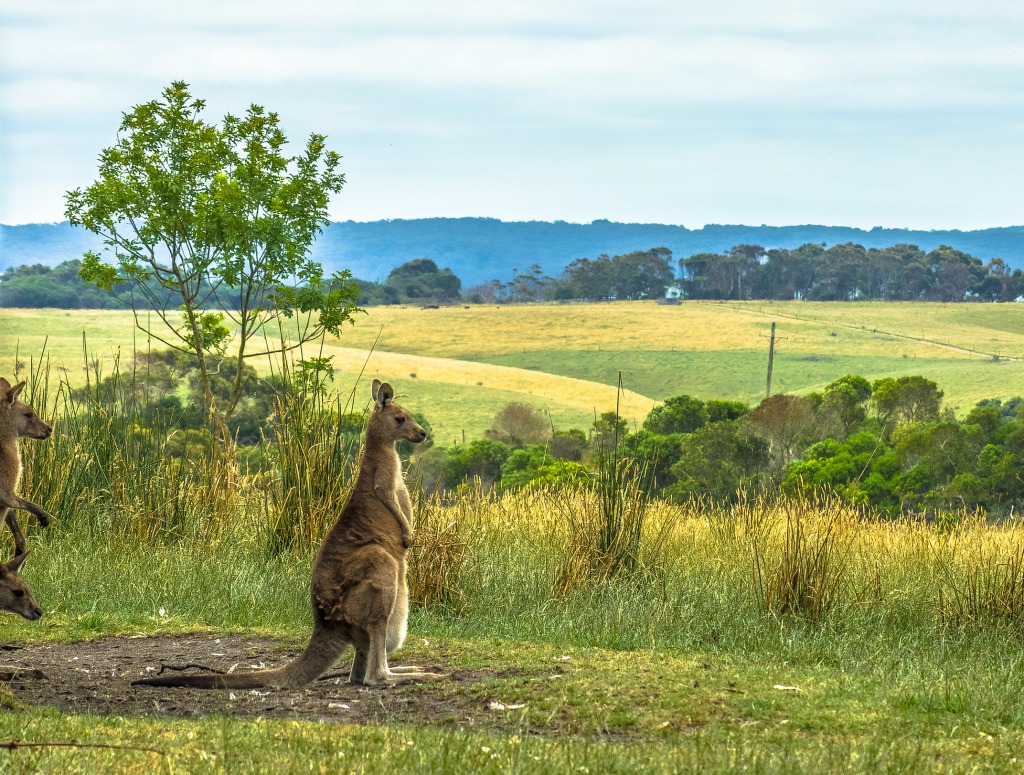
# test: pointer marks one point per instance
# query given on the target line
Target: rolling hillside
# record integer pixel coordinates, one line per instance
(459, 365)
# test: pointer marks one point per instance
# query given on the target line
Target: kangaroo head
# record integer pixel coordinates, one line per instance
(15, 596)
(391, 421)
(19, 416)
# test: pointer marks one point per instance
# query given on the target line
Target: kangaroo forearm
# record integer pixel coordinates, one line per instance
(31, 508)
(405, 503)
(388, 499)
(19, 537)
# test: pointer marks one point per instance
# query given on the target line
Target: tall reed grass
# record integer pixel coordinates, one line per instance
(105, 464)
(605, 555)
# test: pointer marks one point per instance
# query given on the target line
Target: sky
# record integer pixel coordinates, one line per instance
(893, 113)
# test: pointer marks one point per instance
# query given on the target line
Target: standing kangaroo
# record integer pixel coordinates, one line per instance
(16, 420)
(358, 591)
(15, 596)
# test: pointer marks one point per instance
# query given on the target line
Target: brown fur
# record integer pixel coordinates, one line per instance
(17, 419)
(358, 591)
(15, 596)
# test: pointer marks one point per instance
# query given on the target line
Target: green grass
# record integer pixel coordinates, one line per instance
(671, 669)
(711, 350)
(676, 671)
(454, 409)
(740, 374)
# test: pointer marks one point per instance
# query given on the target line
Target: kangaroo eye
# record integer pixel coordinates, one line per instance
(19, 593)
(400, 420)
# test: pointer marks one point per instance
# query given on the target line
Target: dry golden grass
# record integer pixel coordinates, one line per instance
(543, 388)
(993, 329)
(703, 348)
(816, 560)
(482, 331)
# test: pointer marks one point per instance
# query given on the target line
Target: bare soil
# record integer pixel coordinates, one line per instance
(95, 677)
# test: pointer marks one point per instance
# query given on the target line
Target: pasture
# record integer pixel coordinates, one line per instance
(690, 665)
(468, 362)
(764, 637)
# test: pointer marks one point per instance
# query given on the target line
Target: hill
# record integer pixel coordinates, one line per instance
(481, 249)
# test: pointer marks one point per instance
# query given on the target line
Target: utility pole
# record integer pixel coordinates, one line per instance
(771, 360)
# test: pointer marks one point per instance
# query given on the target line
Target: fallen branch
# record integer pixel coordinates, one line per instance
(179, 668)
(12, 745)
(8, 674)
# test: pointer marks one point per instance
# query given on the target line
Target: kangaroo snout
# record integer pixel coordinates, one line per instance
(33, 613)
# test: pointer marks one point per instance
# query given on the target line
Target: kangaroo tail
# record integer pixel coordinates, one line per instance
(320, 656)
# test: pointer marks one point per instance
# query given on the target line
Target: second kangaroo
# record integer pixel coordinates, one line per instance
(17, 419)
(359, 591)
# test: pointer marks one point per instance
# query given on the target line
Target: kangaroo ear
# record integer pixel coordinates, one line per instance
(13, 395)
(375, 388)
(385, 395)
(4, 385)
(15, 565)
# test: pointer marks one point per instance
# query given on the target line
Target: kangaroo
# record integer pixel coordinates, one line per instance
(358, 590)
(15, 596)
(16, 420)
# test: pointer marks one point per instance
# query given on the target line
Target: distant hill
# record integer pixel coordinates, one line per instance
(481, 249)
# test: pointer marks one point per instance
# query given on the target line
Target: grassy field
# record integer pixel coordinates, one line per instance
(457, 396)
(710, 350)
(686, 667)
(768, 637)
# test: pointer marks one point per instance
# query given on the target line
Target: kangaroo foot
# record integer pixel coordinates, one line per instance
(398, 675)
(392, 678)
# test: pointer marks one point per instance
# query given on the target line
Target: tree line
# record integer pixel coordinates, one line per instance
(843, 272)
(886, 445)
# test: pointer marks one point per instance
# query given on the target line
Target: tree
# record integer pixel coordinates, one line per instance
(842, 406)
(720, 411)
(717, 461)
(518, 424)
(421, 282)
(644, 274)
(906, 399)
(782, 420)
(481, 459)
(214, 216)
(679, 414)
(609, 431)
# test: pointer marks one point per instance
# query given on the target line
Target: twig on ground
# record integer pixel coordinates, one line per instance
(12, 745)
(8, 674)
(178, 668)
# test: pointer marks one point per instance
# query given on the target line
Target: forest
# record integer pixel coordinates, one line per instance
(844, 272)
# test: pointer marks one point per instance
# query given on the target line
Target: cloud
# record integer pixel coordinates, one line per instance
(548, 91)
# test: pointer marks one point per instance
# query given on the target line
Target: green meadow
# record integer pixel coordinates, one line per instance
(440, 358)
(774, 637)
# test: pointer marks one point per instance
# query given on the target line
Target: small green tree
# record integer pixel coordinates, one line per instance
(905, 400)
(679, 414)
(214, 222)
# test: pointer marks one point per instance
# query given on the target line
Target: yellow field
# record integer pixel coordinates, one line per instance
(564, 358)
(457, 396)
(477, 332)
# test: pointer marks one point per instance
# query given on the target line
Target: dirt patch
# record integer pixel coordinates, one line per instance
(95, 677)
